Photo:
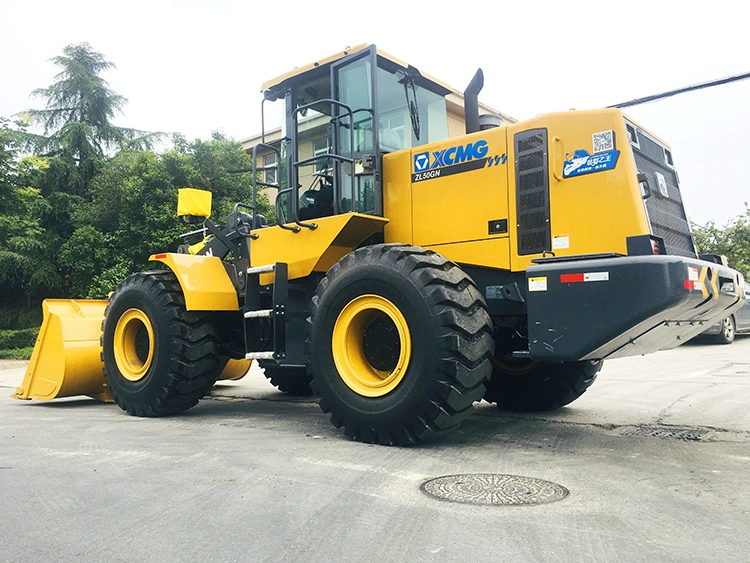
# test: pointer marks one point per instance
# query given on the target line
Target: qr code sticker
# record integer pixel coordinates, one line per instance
(603, 141)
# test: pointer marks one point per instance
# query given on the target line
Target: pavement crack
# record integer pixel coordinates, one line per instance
(228, 398)
(664, 413)
(689, 432)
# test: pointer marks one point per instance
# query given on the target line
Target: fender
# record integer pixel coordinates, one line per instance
(312, 250)
(204, 281)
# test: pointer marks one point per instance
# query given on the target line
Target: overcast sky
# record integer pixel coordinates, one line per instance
(195, 66)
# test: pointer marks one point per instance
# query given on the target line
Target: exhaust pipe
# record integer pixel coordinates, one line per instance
(471, 102)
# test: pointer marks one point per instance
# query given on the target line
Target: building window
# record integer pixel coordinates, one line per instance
(321, 146)
(269, 174)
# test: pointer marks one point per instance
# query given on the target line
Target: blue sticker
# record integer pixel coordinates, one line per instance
(581, 162)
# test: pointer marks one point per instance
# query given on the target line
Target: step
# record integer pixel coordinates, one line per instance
(259, 356)
(261, 269)
(261, 314)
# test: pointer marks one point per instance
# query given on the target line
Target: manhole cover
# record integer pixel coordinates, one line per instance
(484, 488)
(692, 434)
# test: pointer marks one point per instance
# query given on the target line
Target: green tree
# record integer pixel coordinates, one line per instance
(25, 273)
(94, 202)
(733, 241)
(77, 120)
(41, 252)
(9, 139)
(132, 212)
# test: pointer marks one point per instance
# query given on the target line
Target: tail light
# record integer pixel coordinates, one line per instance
(644, 245)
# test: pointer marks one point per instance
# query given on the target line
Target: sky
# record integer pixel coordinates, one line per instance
(196, 66)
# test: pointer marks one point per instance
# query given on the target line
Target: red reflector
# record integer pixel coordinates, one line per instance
(571, 278)
(160, 256)
(655, 246)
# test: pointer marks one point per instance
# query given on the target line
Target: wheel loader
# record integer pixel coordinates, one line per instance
(413, 270)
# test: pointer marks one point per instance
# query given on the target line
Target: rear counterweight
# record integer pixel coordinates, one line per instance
(623, 306)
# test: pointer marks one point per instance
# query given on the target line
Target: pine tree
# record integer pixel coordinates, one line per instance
(77, 121)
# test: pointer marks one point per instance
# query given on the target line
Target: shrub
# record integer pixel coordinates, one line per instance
(16, 354)
(13, 339)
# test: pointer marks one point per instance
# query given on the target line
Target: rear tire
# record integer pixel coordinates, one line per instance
(530, 386)
(399, 341)
(159, 359)
(728, 331)
(292, 381)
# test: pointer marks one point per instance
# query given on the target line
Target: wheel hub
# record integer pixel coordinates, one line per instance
(133, 344)
(371, 345)
(728, 327)
(381, 344)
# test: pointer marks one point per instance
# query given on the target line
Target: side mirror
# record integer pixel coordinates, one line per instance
(193, 205)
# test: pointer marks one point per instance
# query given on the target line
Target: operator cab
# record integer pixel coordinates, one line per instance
(340, 116)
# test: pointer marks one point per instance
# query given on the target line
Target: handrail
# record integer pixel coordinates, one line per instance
(326, 156)
(280, 219)
(294, 210)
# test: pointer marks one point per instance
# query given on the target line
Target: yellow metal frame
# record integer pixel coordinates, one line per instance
(207, 286)
(591, 213)
(204, 281)
(450, 213)
(312, 250)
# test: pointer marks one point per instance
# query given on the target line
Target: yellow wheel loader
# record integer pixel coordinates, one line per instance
(414, 269)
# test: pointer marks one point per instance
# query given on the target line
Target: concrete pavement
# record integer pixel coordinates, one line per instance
(252, 475)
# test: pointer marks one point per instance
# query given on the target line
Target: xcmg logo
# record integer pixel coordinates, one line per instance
(451, 156)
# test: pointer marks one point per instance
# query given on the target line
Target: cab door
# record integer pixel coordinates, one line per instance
(353, 84)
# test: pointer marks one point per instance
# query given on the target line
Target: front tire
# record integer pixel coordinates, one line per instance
(400, 341)
(159, 359)
(532, 386)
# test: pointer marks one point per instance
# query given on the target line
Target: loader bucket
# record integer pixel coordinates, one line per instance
(66, 357)
(235, 369)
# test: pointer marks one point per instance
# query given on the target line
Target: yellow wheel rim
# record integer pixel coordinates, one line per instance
(371, 345)
(134, 344)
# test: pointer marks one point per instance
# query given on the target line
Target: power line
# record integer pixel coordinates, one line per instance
(700, 86)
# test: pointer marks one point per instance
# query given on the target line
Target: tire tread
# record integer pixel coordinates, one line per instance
(463, 328)
(192, 343)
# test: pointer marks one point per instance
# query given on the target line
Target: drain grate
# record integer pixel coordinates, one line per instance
(690, 434)
(492, 489)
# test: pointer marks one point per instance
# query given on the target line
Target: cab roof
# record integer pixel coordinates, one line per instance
(280, 80)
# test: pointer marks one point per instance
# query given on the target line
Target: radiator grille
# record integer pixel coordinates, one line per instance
(532, 192)
(664, 206)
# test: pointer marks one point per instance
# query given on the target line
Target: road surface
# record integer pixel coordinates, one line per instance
(655, 456)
